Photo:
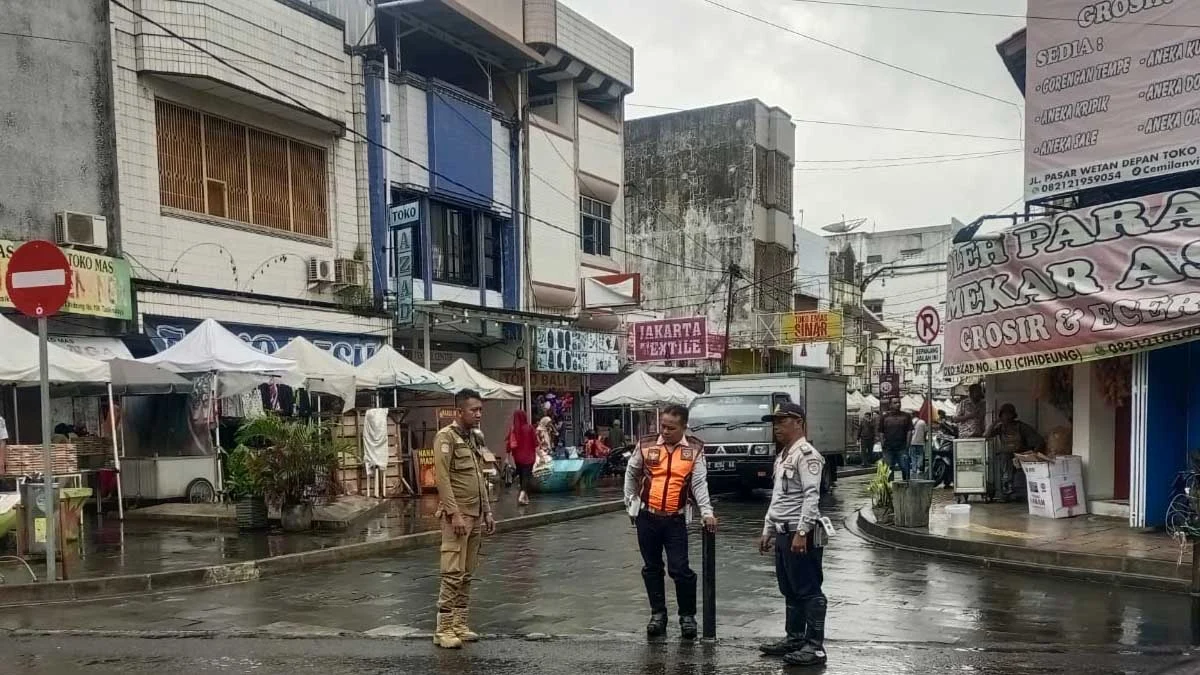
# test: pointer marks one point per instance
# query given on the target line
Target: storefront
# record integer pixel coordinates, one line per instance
(1088, 319)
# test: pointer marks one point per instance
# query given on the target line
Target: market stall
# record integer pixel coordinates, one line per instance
(318, 371)
(220, 365)
(687, 395)
(639, 392)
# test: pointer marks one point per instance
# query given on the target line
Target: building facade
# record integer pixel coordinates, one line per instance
(901, 272)
(711, 189)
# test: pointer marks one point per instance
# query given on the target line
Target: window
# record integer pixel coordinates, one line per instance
(220, 168)
(874, 306)
(595, 222)
(874, 259)
(910, 253)
(493, 250)
(453, 231)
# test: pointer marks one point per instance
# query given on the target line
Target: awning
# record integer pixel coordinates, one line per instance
(465, 29)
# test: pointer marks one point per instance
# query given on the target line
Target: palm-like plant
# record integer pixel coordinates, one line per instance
(293, 461)
(880, 487)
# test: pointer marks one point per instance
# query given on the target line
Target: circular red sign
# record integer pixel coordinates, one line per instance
(929, 324)
(38, 278)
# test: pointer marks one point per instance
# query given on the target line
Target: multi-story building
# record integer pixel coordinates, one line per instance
(811, 292)
(710, 189)
(238, 150)
(901, 272)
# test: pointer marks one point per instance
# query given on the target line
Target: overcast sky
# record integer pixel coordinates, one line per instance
(689, 53)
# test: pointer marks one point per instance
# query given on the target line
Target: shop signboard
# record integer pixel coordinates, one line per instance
(100, 285)
(1113, 93)
(402, 218)
(565, 350)
(561, 382)
(1076, 286)
(353, 349)
(670, 339)
(801, 327)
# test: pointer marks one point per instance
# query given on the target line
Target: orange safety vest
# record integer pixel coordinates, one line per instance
(667, 473)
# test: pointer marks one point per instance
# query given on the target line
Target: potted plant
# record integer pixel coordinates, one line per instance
(294, 464)
(880, 489)
(243, 488)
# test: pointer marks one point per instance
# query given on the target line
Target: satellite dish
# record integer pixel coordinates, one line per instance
(844, 226)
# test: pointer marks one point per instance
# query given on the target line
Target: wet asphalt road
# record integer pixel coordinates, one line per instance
(890, 612)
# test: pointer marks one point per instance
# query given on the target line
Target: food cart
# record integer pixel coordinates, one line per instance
(972, 475)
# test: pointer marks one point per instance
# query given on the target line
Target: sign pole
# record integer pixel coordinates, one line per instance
(47, 458)
(929, 422)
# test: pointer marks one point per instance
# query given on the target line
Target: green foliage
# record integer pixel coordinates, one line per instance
(240, 479)
(292, 461)
(880, 487)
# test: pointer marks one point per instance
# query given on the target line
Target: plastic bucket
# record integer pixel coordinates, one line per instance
(960, 514)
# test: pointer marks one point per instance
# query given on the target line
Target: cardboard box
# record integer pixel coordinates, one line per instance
(1058, 497)
(1059, 467)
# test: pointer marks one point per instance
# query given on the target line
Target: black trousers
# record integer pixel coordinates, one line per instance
(656, 534)
(800, 577)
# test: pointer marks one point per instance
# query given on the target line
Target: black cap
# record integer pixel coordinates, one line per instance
(788, 409)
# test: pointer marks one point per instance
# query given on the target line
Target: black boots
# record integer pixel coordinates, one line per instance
(687, 627)
(657, 627)
(813, 651)
(795, 624)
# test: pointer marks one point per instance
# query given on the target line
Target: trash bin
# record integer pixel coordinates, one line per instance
(912, 499)
(33, 502)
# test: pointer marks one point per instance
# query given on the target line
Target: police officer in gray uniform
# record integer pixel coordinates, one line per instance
(793, 527)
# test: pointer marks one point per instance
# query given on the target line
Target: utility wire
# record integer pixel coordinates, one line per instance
(898, 159)
(986, 155)
(855, 125)
(861, 55)
(962, 12)
(363, 137)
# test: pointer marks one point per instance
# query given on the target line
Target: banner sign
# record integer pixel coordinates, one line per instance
(799, 327)
(99, 284)
(1113, 92)
(353, 349)
(670, 339)
(564, 350)
(1078, 286)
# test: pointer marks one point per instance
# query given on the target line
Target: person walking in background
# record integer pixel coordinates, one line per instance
(547, 437)
(616, 436)
(916, 446)
(866, 438)
(895, 429)
(522, 444)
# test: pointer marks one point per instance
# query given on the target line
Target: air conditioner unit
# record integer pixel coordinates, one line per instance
(320, 270)
(349, 272)
(81, 229)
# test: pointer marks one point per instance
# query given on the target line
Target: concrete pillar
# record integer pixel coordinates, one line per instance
(1093, 433)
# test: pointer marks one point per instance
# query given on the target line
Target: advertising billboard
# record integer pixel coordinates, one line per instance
(1112, 93)
(670, 339)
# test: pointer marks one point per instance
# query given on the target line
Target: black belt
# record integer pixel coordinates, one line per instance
(662, 514)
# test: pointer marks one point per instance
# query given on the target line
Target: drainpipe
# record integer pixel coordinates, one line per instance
(373, 73)
(511, 253)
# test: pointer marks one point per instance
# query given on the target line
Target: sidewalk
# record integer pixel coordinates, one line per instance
(1090, 547)
(135, 556)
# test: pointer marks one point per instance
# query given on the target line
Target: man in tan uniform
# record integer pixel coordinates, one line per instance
(466, 515)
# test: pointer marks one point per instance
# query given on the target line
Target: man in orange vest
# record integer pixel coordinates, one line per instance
(665, 473)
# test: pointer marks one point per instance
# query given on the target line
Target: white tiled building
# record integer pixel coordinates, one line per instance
(232, 184)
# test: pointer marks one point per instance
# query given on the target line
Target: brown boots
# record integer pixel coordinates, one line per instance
(452, 630)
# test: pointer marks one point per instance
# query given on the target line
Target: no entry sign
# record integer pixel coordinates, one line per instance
(38, 279)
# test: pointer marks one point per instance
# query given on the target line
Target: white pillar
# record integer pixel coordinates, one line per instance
(1093, 433)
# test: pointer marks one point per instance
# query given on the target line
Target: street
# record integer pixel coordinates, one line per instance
(568, 597)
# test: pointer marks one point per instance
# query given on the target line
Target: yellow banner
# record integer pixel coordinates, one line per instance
(99, 284)
(800, 327)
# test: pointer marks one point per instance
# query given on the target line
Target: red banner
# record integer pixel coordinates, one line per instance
(670, 339)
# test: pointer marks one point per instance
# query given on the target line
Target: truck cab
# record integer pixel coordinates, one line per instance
(738, 446)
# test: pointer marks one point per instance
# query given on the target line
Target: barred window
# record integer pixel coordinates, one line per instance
(221, 168)
(595, 225)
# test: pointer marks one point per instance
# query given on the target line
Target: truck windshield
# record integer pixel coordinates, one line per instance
(733, 409)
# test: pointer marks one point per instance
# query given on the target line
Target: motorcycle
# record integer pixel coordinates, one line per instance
(943, 454)
(617, 460)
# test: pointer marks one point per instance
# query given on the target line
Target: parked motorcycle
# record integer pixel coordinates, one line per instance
(943, 454)
(617, 460)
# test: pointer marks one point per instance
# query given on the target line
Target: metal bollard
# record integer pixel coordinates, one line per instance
(709, 572)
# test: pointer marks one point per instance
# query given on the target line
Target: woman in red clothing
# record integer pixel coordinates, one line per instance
(522, 446)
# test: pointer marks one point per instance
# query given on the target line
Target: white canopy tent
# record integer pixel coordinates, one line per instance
(318, 370)
(871, 402)
(687, 394)
(20, 365)
(638, 389)
(855, 402)
(388, 368)
(463, 376)
(235, 366)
